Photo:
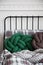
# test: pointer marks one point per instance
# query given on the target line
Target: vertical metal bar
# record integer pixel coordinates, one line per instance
(38, 23)
(21, 22)
(4, 26)
(10, 22)
(27, 23)
(32, 22)
(4, 32)
(15, 23)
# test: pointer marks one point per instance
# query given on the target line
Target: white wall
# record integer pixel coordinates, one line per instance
(21, 5)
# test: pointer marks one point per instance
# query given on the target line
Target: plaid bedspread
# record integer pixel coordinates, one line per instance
(13, 59)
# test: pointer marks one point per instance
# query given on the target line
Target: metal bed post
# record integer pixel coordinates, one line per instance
(10, 22)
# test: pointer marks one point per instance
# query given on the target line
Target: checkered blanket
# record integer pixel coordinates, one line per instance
(17, 59)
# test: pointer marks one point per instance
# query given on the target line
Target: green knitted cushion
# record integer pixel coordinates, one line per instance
(18, 42)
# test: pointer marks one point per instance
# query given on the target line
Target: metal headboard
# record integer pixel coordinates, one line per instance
(21, 17)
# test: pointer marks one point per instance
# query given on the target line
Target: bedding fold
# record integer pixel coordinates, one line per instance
(24, 57)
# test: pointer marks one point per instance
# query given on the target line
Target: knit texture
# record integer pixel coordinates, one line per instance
(18, 42)
(37, 41)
